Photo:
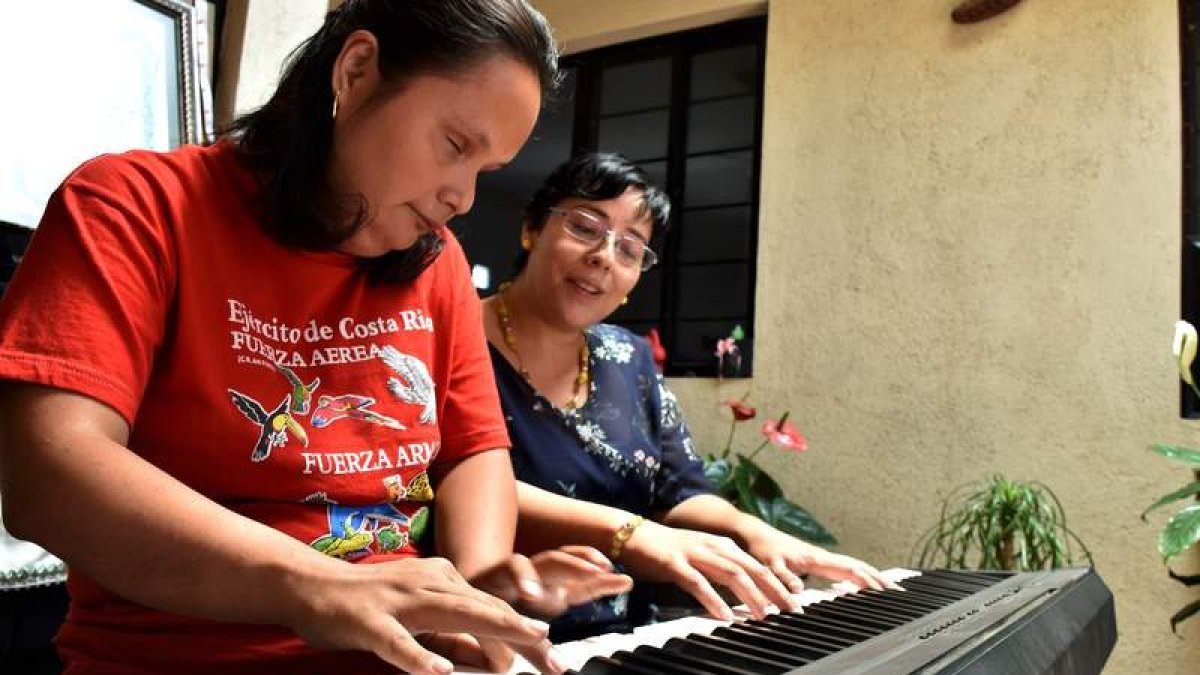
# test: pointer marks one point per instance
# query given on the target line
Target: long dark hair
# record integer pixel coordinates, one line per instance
(288, 140)
(596, 176)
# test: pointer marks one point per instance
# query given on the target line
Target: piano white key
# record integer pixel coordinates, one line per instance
(894, 575)
(575, 654)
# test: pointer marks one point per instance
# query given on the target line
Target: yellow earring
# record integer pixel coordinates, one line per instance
(336, 95)
(625, 300)
(526, 244)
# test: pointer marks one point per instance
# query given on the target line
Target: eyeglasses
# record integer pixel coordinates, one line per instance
(589, 229)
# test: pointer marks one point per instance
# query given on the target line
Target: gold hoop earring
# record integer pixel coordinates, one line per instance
(336, 96)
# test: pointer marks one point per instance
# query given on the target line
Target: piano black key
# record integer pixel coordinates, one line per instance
(932, 595)
(700, 664)
(829, 624)
(818, 638)
(603, 665)
(950, 584)
(693, 647)
(852, 615)
(742, 647)
(898, 613)
(673, 664)
(776, 640)
(909, 595)
(877, 613)
(779, 641)
(981, 579)
(932, 588)
(990, 576)
(892, 601)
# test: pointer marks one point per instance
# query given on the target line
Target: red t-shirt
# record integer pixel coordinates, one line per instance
(277, 382)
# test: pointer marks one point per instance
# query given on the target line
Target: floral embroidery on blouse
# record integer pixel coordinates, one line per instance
(612, 345)
(672, 420)
(594, 442)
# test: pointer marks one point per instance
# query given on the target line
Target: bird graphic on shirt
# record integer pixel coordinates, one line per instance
(274, 426)
(301, 393)
(333, 408)
(346, 541)
(414, 384)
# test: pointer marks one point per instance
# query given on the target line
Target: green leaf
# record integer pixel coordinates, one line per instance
(761, 509)
(719, 472)
(1180, 533)
(787, 516)
(738, 333)
(1181, 493)
(756, 481)
(1179, 452)
(1183, 614)
(744, 489)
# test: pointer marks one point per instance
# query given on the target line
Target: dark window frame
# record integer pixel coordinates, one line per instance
(1189, 48)
(681, 48)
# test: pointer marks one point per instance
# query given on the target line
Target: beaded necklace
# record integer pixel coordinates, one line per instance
(582, 381)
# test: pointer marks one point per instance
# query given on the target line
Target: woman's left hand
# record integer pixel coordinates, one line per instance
(546, 584)
(543, 585)
(789, 557)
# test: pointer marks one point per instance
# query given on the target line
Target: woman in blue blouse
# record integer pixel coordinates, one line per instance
(600, 448)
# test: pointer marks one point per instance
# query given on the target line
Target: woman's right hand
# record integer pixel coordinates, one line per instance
(695, 560)
(381, 608)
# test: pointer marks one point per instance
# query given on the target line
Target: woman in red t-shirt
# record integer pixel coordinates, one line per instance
(232, 371)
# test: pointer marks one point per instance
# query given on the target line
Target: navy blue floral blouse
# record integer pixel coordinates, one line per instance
(626, 447)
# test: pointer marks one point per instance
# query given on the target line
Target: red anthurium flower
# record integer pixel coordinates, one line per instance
(657, 351)
(741, 411)
(785, 435)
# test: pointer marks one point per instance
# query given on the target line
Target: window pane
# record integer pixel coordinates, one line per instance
(725, 72)
(713, 291)
(645, 300)
(640, 328)
(715, 234)
(721, 125)
(638, 136)
(635, 86)
(657, 171)
(719, 179)
(696, 341)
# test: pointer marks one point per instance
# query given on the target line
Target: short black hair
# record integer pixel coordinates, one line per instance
(288, 141)
(596, 176)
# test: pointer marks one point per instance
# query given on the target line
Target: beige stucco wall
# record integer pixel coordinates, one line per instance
(257, 37)
(968, 263)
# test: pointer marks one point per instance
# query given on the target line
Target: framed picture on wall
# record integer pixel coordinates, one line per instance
(87, 77)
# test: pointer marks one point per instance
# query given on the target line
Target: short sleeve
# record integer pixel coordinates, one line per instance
(85, 311)
(682, 474)
(471, 418)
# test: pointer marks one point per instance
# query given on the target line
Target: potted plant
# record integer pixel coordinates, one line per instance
(1182, 531)
(741, 481)
(1000, 524)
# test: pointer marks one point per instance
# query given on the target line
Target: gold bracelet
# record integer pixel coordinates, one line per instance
(622, 535)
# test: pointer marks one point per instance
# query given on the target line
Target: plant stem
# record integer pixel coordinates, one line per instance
(729, 441)
(756, 450)
(1006, 551)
